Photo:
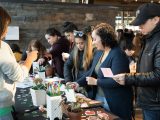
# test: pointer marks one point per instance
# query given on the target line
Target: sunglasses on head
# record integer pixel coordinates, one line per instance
(78, 33)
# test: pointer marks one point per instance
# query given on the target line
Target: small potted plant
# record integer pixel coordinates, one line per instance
(49, 71)
(74, 111)
(38, 92)
(54, 100)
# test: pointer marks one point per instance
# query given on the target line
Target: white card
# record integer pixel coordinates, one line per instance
(107, 72)
(35, 66)
(42, 75)
(70, 94)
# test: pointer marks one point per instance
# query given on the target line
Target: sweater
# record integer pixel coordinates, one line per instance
(10, 72)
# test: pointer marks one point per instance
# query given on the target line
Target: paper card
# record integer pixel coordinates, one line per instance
(35, 66)
(42, 75)
(107, 72)
(70, 94)
(53, 79)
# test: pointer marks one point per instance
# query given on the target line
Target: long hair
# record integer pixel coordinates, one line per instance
(5, 19)
(38, 45)
(137, 44)
(87, 55)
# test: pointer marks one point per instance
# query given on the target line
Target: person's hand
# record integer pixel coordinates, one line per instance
(119, 78)
(91, 81)
(73, 85)
(132, 67)
(41, 61)
(129, 52)
(32, 56)
(42, 108)
(65, 56)
(21, 62)
(48, 55)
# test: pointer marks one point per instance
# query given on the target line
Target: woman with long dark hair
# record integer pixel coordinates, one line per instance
(59, 44)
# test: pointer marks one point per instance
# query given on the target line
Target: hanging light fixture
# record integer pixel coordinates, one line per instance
(152, 1)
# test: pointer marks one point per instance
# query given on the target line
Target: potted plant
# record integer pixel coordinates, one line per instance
(74, 111)
(54, 100)
(49, 71)
(38, 92)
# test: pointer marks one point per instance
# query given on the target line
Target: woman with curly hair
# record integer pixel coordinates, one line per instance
(116, 98)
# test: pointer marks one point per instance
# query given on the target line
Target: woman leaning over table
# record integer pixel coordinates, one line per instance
(116, 98)
(80, 58)
(59, 44)
(10, 70)
(34, 45)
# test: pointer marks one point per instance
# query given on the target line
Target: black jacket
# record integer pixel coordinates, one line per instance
(62, 45)
(148, 77)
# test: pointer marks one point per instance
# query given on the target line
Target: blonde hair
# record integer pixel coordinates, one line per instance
(87, 55)
(5, 19)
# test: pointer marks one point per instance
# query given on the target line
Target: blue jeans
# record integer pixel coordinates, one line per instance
(103, 99)
(151, 114)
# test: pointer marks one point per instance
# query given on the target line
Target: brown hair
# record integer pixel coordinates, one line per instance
(137, 44)
(5, 19)
(107, 34)
(37, 44)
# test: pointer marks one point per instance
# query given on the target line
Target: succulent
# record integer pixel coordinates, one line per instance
(74, 107)
(38, 84)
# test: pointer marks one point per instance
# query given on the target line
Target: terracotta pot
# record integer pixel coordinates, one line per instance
(49, 71)
(74, 116)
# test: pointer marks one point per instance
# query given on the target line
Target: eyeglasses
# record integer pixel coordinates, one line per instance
(78, 33)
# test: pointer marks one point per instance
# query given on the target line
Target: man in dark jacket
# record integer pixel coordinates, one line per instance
(148, 77)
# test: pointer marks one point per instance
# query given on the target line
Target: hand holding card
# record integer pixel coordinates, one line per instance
(107, 72)
(70, 95)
